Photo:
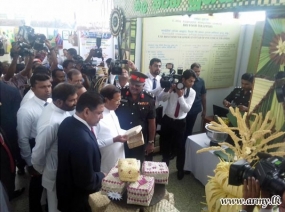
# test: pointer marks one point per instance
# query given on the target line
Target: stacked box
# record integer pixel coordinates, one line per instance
(158, 170)
(141, 192)
(128, 169)
(112, 183)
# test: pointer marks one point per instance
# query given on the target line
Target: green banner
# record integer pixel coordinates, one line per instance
(147, 8)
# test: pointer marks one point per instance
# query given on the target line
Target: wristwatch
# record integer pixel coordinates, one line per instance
(151, 142)
(242, 210)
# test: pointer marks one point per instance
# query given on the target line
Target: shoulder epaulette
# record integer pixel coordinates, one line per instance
(148, 93)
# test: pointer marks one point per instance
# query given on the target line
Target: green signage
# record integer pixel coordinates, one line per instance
(193, 5)
(142, 5)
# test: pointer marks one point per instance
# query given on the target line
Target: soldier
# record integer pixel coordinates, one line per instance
(240, 97)
(138, 108)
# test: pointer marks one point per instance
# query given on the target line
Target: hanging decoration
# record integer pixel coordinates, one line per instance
(116, 21)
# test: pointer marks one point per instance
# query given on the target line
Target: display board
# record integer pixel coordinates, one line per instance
(182, 41)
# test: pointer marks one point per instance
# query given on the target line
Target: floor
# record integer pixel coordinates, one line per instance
(189, 193)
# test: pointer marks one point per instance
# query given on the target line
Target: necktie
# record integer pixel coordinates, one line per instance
(177, 110)
(93, 131)
(154, 84)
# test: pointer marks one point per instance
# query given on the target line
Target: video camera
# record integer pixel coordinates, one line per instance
(28, 40)
(269, 171)
(86, 67)
(116, 66)
(166, 81)
(98, 52)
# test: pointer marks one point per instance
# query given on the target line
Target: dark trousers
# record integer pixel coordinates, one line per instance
(172, 140)
(35, 194)
(35, 189)
(190, 122)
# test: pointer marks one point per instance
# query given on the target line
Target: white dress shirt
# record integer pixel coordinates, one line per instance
(30, 94)
(185, 103)
(27, 118)
(44, 155)
(149, 85)
(105, 131)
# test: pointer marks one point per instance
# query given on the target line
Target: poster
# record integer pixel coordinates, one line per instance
(88, 42)
(182, 41)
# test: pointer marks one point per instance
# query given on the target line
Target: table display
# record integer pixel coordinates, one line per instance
(203, 164)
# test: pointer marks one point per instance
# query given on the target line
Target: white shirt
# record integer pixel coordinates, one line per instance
(44, 155)
(27, 118)
(185, 103)
(83, 121)
(149, 83)
(105, 131)
(30, 94)
(148, 86)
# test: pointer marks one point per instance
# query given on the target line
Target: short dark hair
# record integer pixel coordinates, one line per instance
(66, 63)
(38, 77)
(72, 72)
(53, 73)
(195, 65)
(72, 51)
(109, 91)
(62, 91)
(108, 61)
(89, 100)
(154, 60)
(247, 77)
(41, 70)
(189, 73)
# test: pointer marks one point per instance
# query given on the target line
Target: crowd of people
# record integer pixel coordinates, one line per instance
(69, 136)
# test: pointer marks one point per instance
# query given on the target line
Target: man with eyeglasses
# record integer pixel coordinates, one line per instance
(138, 108)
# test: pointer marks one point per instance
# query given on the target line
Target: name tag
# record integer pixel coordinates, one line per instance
(124, 100)
(143, 103)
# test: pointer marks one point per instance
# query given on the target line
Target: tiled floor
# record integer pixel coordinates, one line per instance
(188, 192)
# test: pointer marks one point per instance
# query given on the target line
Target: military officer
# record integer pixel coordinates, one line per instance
(138, 108)
(240, 97)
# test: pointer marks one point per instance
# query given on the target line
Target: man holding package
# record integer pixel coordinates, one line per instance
(138, 108)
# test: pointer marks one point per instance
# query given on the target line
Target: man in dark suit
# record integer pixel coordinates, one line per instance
(79, 158)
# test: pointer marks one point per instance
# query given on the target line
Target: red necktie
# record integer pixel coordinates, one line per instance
(177, 110)
(93, 131)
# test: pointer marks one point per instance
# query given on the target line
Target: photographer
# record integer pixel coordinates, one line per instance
(173, 122)
(71, 53)
(251, 189)
(79, 65)
(19, 80)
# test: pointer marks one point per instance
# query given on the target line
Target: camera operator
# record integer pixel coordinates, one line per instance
(251, 189)
(71, 53)
(79, 66)
(174, 121)
(19, 80)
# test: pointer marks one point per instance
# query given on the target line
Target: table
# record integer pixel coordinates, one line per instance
(203, 164)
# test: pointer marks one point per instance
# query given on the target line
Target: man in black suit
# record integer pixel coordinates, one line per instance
(79, 158)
